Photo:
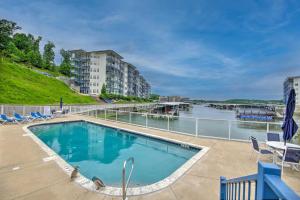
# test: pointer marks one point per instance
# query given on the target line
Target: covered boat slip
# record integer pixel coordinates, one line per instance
(170, 108)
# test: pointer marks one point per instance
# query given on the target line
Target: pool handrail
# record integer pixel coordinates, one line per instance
(124, 182)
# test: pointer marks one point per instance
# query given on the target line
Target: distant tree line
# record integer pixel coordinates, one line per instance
(25, 48)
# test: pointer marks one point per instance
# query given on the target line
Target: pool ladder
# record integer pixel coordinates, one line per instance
(124, 182)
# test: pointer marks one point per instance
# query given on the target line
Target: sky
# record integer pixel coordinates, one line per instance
(199, 49)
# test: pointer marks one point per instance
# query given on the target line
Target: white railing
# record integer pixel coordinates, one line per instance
(25, 110)
(200, 127)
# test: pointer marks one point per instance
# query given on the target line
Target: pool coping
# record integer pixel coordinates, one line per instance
(116, 191)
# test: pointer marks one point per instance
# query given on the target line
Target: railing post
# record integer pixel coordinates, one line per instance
(168, 122)
(96, 114)
(263, 190)
(146, 120)
(268, 127)
(196, 127)
(105, 114)
(2, 109)
(222, 188)
(116, 115)
(130, 117)
(229, 130)
(23, 110)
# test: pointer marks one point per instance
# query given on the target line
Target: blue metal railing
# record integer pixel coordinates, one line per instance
(266, 184)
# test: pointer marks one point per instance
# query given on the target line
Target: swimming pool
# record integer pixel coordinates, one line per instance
(100, 151)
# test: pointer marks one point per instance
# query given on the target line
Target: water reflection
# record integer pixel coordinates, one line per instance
(84, 141)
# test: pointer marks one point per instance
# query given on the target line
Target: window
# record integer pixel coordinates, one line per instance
(97, 69)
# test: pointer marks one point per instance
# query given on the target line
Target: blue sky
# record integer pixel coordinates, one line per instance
(201, 49)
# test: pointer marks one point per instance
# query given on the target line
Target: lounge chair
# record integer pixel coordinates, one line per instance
(34, 116)
(6, 119)
(290, 156)
(44, 116)
(273, 137)
(20, 118)
(258, 150)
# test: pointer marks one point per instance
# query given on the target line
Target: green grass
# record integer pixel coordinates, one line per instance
(21, 85)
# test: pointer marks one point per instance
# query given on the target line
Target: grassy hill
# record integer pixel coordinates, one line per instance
(21, 85)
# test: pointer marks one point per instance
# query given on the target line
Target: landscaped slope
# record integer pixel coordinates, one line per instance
(21, 85)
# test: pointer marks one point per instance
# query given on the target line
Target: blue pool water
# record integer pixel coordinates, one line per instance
(100, 151)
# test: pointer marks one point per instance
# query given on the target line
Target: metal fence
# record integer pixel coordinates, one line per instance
(212, 128)
(25, 110)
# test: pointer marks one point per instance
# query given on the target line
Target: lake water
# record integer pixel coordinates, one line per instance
(202, 121)
(201, 111)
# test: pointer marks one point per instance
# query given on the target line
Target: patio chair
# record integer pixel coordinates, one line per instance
(34, 116)
(258, 150)
(6, 119)
(273, 137)
(291, 156)
(44, 116)
(20, 118)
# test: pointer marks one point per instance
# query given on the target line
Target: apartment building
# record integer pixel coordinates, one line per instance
(289, 83)
(93, 69)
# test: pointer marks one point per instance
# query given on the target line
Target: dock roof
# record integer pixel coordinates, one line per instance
(173, 103)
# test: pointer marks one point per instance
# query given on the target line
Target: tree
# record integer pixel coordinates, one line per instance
(49, 55)
(14, 53)
(35, 56)
(154, 97)
(30, 48)
(7, 28)
(65, 66)
(23, 42)
(103, 89)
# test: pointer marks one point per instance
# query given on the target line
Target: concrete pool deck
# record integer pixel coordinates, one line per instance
(25, 175)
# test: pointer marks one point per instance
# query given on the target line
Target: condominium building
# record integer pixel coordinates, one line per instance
(93, 69)
(289, 83)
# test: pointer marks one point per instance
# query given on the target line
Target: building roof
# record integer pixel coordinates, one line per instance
(112, 52)
(108, 52)
(77, 50)
(130, 65)
(292, 77)
(173, 103)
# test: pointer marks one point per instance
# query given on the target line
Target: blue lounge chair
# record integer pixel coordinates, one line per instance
(20, 118)
(34, 116)
(6, 119)
(43, 116)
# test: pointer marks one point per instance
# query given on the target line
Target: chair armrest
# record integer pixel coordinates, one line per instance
(279, 153)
